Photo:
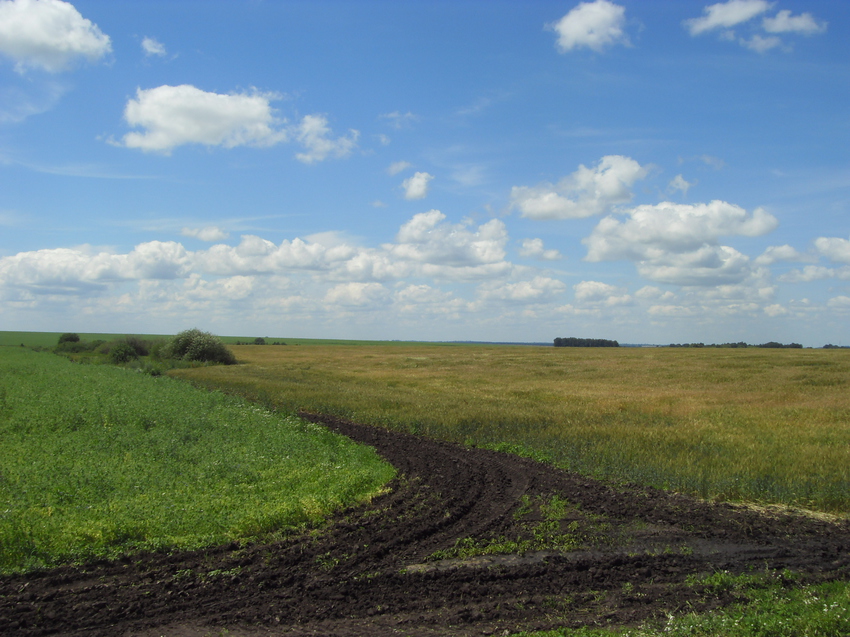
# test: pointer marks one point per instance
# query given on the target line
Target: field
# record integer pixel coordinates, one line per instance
(768, 426)
(97, 461)
(466, 539)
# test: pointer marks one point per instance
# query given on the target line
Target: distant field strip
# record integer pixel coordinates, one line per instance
(770, 426)
(98, 461)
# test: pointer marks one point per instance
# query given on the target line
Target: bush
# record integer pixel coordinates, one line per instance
(123, 352)
(195, 345)
(70, 337)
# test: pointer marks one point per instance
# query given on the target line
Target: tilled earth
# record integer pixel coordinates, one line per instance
(586, 554)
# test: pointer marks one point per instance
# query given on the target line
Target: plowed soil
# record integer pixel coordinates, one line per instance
(611, 556)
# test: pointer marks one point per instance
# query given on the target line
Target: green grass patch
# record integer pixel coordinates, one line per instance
(98, 461)
(771, 605)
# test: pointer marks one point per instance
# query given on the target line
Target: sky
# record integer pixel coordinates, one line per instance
(645, 171)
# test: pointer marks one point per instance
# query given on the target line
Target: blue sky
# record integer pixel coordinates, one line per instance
(645, 171)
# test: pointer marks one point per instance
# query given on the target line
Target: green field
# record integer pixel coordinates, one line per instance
(756, 425)
(97, 461)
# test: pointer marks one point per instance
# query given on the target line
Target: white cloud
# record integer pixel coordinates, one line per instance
(397, 167)
(538, 289)
(66, 270)
(48, 34)
(416, 187)
(724, 15)
(594, 25)
(761, 44)
(356, 294)
(652, 293)
(313, 134)
(426, 239)
(534, 248)
(839, 303)
(399, 120)
(209, 233)
(152, 46)
(598, 293)
(585, 193)
(784, 22)
(775, 310)
(677, 243)
(678, 183)
(421, 298)
(834, 248)
(808, 274)
(176, 115)
(780, 253)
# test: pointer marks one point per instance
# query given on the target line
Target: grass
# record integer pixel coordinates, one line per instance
(769, 605)
(757, 425)
(97, 461)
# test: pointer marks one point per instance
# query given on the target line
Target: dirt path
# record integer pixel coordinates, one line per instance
(366, 573)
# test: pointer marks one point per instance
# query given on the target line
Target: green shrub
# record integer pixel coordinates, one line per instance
(195, 345)
(123, 352)
(69, 337)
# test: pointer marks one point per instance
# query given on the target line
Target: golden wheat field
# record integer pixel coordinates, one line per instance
(761, 425)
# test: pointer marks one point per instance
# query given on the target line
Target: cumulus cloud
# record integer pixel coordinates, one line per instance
(151, 46)
(176, 115)
(834, 248)
(397, 167)
(314, 135)
(540, 288)
(66, 270)
(427, 248)
(49, 35)
(356, 294)
(784, 22)
(780, 253)
(725, 15)
(209, 233)
(839, 302)
(399, 120)
(426, 239)
(598, 293)
(416, 187)
(173, 116)
(808, 274)
(534, 248)
(586, 192)
(678, 243)
(652, 293)
(595, 25)
(679, 183)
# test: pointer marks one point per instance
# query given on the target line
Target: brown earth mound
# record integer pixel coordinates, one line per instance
(585, 554)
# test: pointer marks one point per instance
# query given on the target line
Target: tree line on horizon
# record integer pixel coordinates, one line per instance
(572, 341)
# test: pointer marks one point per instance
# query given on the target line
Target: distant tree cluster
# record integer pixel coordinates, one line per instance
(740, 344)
(585, 342)
(259, 341)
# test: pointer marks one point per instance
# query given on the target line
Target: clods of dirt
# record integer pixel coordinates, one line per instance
(465, 542)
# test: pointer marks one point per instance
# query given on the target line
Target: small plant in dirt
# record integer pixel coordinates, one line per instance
(195, 345)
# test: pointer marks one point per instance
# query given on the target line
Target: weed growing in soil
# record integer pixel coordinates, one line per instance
(543, 527)
(769, 604)
(98, 461)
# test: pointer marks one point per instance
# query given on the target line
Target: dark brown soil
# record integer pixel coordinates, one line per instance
(367, 572)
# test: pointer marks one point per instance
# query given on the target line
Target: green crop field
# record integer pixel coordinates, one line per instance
(757, 425)
(97, 461)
